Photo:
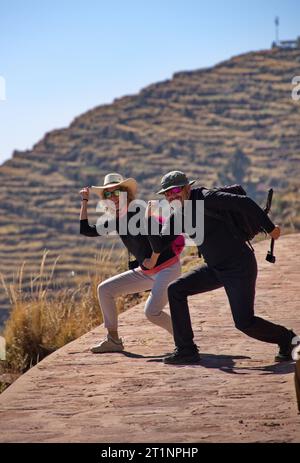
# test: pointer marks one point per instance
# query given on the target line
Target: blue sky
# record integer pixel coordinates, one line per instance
(61, 58)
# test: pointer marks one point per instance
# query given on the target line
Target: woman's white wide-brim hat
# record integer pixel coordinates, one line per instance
(114, 179)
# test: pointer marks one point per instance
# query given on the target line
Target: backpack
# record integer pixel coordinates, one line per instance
(242, 226)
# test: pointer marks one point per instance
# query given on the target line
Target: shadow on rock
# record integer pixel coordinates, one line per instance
(154, 358)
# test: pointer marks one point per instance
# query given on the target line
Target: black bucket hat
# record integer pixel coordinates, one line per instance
(173, 179)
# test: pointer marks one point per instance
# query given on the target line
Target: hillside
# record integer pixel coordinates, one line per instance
(235, 394)
(235, 121)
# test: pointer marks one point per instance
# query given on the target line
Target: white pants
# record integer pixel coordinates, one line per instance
(135, 281)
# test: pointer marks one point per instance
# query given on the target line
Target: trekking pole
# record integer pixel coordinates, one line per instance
(269, 201)
(270, 255)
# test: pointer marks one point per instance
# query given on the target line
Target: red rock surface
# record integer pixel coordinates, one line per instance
(236, 394)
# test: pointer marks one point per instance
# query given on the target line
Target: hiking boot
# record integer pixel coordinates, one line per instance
(183, 356)
(108, 344)
(285, 351)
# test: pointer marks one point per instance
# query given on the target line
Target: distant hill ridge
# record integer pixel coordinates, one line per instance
(235, 121)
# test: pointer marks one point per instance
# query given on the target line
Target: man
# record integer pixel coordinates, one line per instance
(230, 263)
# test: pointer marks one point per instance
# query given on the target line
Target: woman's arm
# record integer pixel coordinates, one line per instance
(84, 193)
(85, 228)
(151, 261)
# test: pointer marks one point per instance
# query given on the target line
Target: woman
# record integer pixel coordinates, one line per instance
(155, 271)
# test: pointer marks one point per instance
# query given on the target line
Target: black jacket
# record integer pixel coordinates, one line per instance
(219, 241)
(138, 245)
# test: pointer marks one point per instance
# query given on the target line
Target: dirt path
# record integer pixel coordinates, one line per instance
(237, 394)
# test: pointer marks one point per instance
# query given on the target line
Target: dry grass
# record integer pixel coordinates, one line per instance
(44, 318)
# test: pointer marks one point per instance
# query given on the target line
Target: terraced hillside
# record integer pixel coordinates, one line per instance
(233, 122)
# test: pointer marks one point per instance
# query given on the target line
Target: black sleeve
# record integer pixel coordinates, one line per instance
(86, 229)
(228, 201)
(107, 225)
(161, 241)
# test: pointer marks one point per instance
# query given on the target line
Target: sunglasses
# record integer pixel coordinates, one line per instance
(109, 194)
(175, 190)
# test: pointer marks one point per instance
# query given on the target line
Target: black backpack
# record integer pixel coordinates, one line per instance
(242, 226)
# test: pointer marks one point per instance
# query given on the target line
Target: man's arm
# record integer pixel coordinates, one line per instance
(227, 201)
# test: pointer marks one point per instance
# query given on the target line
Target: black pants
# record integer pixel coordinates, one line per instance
(238, 276)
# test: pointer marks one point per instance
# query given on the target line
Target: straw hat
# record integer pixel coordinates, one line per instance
(114, 179)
